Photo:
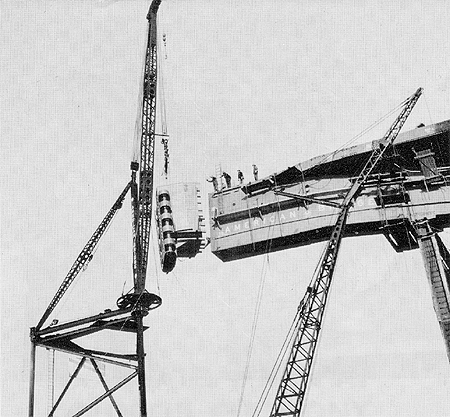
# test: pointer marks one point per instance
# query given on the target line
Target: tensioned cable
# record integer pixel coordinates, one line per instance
(362, 133)
(256, 315)
(161, 89)
(253, 331)
(287, 342)
(426, 104)
(155, 257)
(162, 107)
(276, 366)
(138, 123)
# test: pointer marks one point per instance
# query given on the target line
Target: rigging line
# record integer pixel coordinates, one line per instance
(253, 332)
(152, 235)
(275, 368)
(140, 295)
(426, 104)
(266, 264)
(287, 341)
(162, 101)
(363, 132)
(250, 223)
(263, 275)
(303, 178)
(136, 150)
(133, 308)
(278, 204)
(162, 105)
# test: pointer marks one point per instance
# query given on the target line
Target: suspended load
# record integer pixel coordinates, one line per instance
(180, 222)
(167, 243)
(297, 206)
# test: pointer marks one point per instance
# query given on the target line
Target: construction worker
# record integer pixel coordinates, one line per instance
(214, 183)
(227, 179)
(240, 176)
(255, 172)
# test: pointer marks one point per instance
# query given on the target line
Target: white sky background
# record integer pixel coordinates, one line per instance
(265, 82)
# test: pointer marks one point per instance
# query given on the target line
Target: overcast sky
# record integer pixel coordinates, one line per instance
(266, 82)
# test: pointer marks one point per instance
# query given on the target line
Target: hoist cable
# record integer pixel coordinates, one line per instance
(426, 104)
(155, 257)
(284, 348)
(162, 105)
(256, 315)
(359, 135)
(253, 332)
(136, 150)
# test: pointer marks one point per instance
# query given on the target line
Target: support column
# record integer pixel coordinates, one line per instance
(436, 258)
(141, 363)
(32, 377)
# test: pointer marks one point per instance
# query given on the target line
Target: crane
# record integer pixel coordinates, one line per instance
(133, 306)
(142, 200)
(292, 388)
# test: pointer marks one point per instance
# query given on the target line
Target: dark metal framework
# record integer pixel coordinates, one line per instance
(136, 304)
(292, 388)
(436, 258)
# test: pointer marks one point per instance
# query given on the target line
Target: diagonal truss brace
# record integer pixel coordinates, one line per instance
(106, 395)
(108, 391)
(308, 199)
(105, 386)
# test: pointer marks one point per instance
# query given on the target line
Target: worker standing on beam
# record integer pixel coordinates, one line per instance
(240, 176)
(214, 183)
(255, 172)
(227, 178)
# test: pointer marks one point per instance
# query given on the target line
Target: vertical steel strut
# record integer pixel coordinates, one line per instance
(436, 258)
(142, 199)
(292, 388)
(146, 167)
(138, 302)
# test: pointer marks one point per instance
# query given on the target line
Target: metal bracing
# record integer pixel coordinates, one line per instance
(105, 395)
(60, 338)
(69, 383)
(108, 391)
(307, 199)
(142, 201)
(128, 317)
(105, 386)
(84, 257)
(292, 388)
(436, 258)
(136, 304)
(146, 167)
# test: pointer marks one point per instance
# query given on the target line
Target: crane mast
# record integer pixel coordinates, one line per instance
(136, 304)
(292, 388)
(143, 199)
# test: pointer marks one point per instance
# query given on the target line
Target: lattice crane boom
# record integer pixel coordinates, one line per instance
(136, 304)
(147, 148)
(292, 388)
(84, 257)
